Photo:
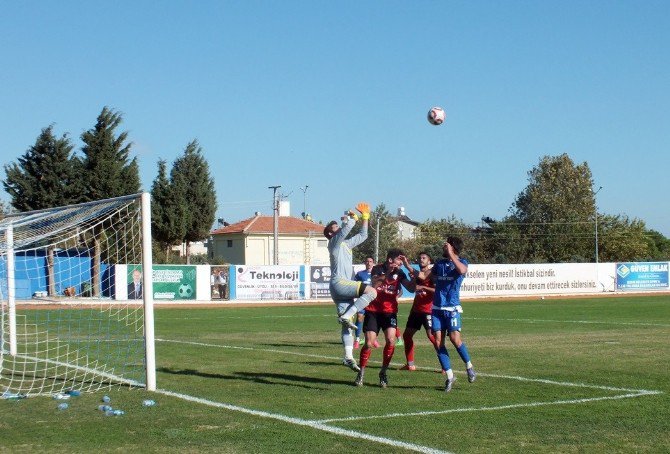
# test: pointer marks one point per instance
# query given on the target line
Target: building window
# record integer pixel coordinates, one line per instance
(229, 243)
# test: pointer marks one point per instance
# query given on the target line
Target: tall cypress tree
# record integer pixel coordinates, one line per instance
(46, 176)
(190, 175)
(108, 170)
(168, 210)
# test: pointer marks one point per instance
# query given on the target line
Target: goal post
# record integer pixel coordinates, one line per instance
(61, 324)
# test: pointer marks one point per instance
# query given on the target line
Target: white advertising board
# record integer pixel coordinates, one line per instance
(531, 279)
(263, 282)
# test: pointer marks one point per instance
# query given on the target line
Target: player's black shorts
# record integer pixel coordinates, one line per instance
(416, 320)
(374, 321)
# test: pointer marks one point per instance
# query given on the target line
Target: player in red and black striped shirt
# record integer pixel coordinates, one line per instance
(420, 315)
(382, 312)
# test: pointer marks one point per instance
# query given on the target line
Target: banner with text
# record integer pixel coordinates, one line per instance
(642, 276)
(174, 282)
(260, 282)
(508, 280)
(319, 281)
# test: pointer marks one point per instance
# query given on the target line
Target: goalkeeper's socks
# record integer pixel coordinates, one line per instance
(359, 328)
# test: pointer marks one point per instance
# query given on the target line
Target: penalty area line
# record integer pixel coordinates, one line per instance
(496, 408)
(318, 425)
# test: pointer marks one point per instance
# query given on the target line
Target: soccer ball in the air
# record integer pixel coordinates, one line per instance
(185, 291)
(436, 116)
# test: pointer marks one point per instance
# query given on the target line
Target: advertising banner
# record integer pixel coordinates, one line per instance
(171, 282)
(642, 276)
(320, 282)
(261, 282)
(510, 280)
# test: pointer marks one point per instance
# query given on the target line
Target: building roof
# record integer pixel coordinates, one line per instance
(265, 224)
(406, 220)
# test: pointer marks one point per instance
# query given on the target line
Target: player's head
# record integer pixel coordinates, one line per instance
(425, 259)
(369, 263)
(393, 257)
(455, 242)
(331, 229)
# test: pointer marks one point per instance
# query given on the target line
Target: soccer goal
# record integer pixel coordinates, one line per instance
(62, 326)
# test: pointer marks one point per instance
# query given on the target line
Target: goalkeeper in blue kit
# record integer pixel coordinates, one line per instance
(350, 296)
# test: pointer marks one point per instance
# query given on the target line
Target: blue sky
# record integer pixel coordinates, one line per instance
(334, 95)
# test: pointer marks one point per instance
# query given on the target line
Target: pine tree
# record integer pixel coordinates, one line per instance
(46, 176)
(168, 211)
(190, 175)
(107, 170)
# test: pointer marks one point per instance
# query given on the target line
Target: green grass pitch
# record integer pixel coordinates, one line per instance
(568, 375)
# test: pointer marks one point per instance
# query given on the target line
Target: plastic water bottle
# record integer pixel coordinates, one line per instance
(8, 395)
(63, 406)
(148, 403)
(61, 396)
(74, 392)
(118, 412)
(106, 399)
(104, 407)
(109, 412)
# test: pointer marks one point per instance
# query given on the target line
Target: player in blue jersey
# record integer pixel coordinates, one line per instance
(364, 276)
(448, 274)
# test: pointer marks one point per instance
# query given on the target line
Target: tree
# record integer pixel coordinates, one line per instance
(107, 172)
(46, 176)
(621, 239)
(387, 234)
(190, 175)
(659, 245)
(555, 212)
(168, 210)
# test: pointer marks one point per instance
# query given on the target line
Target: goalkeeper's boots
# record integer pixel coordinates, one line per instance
(351, 364)
(399, 342)
(346, 322)
(357, 344)
(383, 379)
(359, 378)
(471, 374)
(449, 383)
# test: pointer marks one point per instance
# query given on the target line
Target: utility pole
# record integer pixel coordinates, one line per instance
(275, 200)
(595, 205)
(377, 241)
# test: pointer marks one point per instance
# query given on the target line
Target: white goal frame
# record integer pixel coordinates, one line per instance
(142, 315)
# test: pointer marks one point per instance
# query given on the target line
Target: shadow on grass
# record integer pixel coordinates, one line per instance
(266, 378)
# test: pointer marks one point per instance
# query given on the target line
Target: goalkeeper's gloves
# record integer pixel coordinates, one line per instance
(352, 214)
(364, 209)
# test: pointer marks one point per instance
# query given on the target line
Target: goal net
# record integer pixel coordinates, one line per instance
(62, 327)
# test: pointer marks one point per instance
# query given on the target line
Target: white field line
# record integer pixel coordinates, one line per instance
(481, 374)
(500, 407)
(525, 320)
(585, 322)
(306, 423)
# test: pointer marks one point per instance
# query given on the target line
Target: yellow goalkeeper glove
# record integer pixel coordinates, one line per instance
(364, 209)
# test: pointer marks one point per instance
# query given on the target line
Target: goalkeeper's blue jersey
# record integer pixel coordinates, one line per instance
(447, 283)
